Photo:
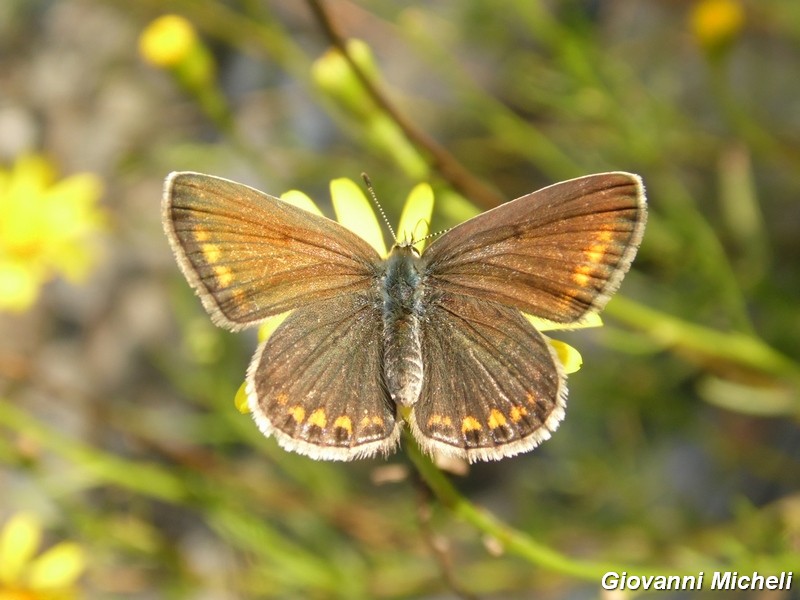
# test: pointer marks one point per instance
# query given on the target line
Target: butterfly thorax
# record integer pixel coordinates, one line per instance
(402, 291)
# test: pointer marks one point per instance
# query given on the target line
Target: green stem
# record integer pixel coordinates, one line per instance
(147, 479)
(741, 349)
(185, 489)
(512, 540)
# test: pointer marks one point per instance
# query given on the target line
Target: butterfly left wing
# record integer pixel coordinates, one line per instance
(493, 386)
(249, 255)
(558, 253)
(316, 383)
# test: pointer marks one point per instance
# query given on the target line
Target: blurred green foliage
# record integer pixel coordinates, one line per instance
(681, 449)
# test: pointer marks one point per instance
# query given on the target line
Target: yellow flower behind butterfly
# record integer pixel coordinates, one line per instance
(52, 575)
(716, 23)
(355, 212)
(47, 229)
(171, 42)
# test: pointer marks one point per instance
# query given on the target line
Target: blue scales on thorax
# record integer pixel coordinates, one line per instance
(402, 290)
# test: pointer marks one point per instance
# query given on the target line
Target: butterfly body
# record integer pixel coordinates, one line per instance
(403, 294)
(437, 341)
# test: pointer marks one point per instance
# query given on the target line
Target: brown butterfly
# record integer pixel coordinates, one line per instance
(437, 340)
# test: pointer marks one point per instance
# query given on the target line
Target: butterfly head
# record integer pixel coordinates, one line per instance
(406, 248)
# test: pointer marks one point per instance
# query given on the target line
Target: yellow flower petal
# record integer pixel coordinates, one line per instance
(300, 200)
(15, 595)
(33, 169)
(268, 327)
(569, 356)
(70, 205)
(20, 205)
(59, 567)
(240, 399)
(19, 285)
(5, 182)
(355, 212)
(19, 540)
(416, 216)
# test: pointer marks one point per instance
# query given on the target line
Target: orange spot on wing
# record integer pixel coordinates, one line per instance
(345, 423)
(440, 421)
(298, 413)
(596, 252)
(496, 419)
(470, 424)
(581, 274)
(371, 421)
(517, 412)
(318, 418)
(211, 252)
(224, 276)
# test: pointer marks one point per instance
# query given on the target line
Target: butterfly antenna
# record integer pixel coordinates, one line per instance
(434, 234)
(371, 191)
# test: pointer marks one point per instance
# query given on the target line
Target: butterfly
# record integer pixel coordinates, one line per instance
(435, 340)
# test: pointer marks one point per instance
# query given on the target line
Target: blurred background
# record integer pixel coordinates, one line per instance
(126, 470)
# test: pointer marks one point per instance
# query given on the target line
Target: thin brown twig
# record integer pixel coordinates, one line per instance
(440, 160)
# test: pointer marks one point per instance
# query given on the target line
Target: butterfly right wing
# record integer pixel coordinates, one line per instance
(493, 385)
(558, 253)
(249, 255)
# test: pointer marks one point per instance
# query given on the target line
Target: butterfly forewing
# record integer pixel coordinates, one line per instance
(558, 253)
(316, 383)
(493, 386)
(249, 255)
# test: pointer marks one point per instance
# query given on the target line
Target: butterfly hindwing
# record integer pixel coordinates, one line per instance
(493, 386)
(316, 382)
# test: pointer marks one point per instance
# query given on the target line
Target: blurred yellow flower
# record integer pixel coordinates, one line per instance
(167, 41)
(52, 575)
(46, 229)
(715, 23)
(171, 42)
(334, 76)
(355, 211)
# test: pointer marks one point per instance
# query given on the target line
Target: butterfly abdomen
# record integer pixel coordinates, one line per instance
(401, 287)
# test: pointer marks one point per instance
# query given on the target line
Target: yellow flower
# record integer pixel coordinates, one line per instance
(46, 229)
(171, 42)
(167, 41)
(52, 575)
(355, 211)
(715, 23)
(335, 77)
